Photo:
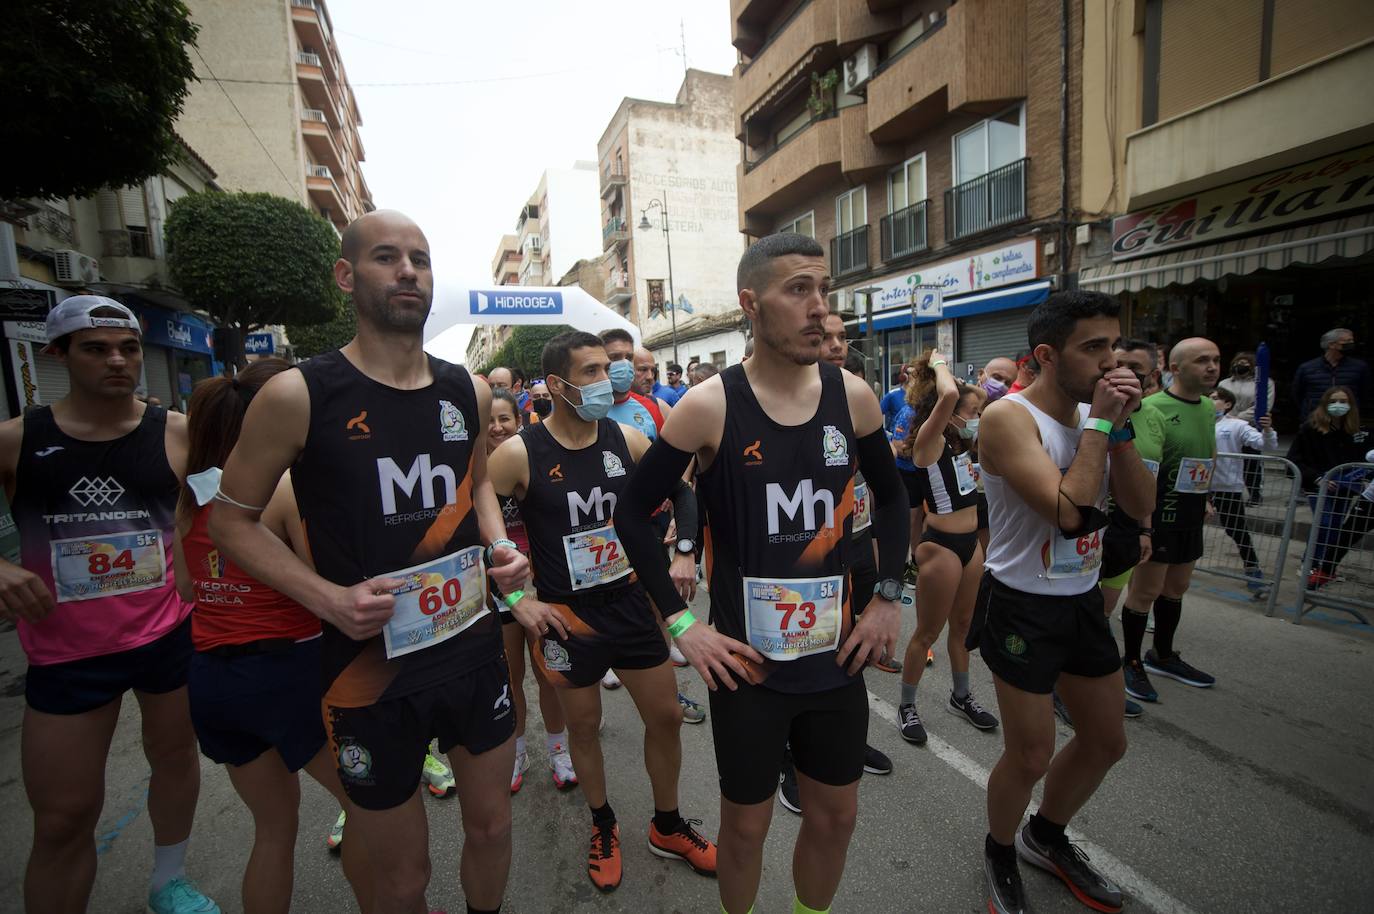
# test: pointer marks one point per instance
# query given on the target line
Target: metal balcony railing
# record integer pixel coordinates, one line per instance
(319, 171)
(313, 114)
(996, 198)
(309, 58)
(614, 231)
(849, 252)
(903, 232)
(129, 242)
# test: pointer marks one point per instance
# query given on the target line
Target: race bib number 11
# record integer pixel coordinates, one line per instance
(436, 601)
(794, 617)
(84, 568)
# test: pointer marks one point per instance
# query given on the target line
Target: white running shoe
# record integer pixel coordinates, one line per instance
(560, 763)
(522, 764)
(610, 680)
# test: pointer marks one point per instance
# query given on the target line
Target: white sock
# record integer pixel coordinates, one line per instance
(519, 745)
(168, 863)
(557, 739)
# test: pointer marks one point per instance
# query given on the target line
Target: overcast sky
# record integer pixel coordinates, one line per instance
(530, 84)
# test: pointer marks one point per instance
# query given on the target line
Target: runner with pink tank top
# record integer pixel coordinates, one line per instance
(93, 480)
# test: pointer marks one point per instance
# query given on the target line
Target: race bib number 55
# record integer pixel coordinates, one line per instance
(795, 617)
(436, 601)
(84, 568)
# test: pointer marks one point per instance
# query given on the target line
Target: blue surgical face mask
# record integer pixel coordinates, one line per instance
(970, 429)
(597, 399)
(1337, 409)
(622, 375)
(1221, 412)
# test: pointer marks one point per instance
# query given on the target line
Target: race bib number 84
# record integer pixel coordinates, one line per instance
(85, 568)
(437, 600)
(794, 617)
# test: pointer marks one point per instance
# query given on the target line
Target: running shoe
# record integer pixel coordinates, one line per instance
(970, 710)
(888, 664)
(1061, 711)
(1137, 683)
(1255, 583)
(610, 680)
(930, 656)
(789, 794)
(437, 777)
(1318, 579)
(522, 764)
(560, 763)
(692, 712)
(1005, 893)
(1070, 864)
(334, 840)
(1150, 621)
(1133, 710)
(1174, 668)
(675, 655)
(876, 762)
(685, 844)
(910, 726)
(909, 574)
(180, 896)
(603, 857)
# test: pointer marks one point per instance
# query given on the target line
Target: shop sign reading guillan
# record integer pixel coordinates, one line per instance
(1314, 190)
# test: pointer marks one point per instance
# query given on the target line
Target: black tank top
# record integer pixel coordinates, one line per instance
(779, 504)
(950, 484)
(567, 510)
(383, 484)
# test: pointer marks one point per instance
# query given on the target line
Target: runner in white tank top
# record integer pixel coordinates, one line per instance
(1039, 620)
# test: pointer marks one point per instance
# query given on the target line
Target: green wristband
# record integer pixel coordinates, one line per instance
(1098, 425)
(938, 362)
(684, 622)
(515, 597)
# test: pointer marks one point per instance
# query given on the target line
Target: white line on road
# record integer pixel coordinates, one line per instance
(1134, 884)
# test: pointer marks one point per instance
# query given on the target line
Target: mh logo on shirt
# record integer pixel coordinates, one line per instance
(423, 474)
(803, 500)
(598, 506)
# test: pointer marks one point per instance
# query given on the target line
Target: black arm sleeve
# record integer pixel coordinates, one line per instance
(656, 476)
(891, 511)
(685, 511)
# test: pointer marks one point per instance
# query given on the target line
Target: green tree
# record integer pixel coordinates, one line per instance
(249, 260)
(309, 340)
(91, 93)
(524, 349)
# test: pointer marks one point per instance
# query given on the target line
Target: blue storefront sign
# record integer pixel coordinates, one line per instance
(503, 302)
(259, 344)
(176, 330)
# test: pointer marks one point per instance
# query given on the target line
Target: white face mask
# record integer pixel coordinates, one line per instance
(204, 485)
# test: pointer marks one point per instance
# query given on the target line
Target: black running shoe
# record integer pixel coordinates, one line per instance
(970, 710)
(1062, 711)
(1174, 668)
(789, 795)
(909, 723)
(1070, 864)
(1005, 893)
(876, 762)
(1133, 710)
(1137, 683)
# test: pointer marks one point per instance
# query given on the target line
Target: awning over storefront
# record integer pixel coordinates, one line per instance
(1023, 296)
(1345, 238)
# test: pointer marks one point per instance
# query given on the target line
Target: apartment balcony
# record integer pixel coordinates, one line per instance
(972, 60)
(320, 139)
(849, 252)
(785, 57)
(127, 242)
(860, 157)
(749, 20)
(318, 86)
(324, 193)
(903, 233)
(618, 287)
(790, 172)
(995, 199)
(613, 178)
(312, 29)
(614, 232)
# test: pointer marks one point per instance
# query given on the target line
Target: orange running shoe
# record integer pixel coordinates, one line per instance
(603, 858)
(930, 657)
(685, 844)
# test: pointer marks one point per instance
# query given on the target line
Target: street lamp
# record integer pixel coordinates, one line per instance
(868, 292)
(644, 226)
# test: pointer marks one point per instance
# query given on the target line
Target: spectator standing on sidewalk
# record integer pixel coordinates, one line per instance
(1335, 367)
(1330, 437)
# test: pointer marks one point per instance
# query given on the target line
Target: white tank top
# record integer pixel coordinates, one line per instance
(1027, 552)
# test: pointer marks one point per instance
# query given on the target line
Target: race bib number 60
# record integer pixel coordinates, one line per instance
(795, 617)
(84, 568)
(436, 601)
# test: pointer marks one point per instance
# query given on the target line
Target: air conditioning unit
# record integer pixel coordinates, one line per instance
(840, 302)
(74, 268)
(858, 69)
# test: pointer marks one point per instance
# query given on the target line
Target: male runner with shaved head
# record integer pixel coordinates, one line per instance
(1186, 427)
(387, 448)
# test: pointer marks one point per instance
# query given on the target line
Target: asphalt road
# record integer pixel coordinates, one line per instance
(1255, 796)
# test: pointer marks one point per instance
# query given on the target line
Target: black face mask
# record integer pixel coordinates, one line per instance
(542, 408)
(1241, 370)
(1348, 347)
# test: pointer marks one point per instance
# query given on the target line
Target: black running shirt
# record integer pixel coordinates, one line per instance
(383, 485)
(779, 504)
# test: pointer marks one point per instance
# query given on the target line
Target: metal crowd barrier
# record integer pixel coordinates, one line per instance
(1246, 539)
(1338, 563)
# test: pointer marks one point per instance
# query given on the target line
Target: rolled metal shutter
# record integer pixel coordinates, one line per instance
(53, 383)
(159, 376)
(986, 336)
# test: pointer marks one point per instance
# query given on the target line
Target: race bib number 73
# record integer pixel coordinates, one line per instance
(793, 617)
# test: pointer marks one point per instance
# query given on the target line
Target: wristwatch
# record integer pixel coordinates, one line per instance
(1125, 433)
(889, 589)
(686, 546)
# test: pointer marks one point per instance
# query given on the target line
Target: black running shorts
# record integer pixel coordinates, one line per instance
(609, 630)
(380, 749)
(753, 725)
(1028, 639)
(78, 686)
(863, 573)
(1176, 545)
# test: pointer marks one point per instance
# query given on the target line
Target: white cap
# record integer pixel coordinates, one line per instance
(74, 314)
